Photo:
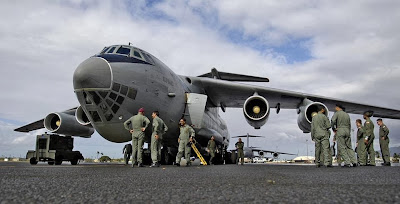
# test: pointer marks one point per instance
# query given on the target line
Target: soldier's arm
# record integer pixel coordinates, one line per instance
(327, 123)
(192, 132)
(155, 126)
(367, 128)
(126, 124)
(385, 131)
(165, 127)
(147, 121)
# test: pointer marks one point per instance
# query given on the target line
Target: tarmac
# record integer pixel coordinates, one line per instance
(21, 182)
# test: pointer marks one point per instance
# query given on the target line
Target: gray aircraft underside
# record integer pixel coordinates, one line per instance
(112, 85)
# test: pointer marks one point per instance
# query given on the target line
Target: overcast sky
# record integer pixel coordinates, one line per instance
(342, 49)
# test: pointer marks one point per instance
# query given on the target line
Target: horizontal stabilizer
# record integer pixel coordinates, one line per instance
(215, 74)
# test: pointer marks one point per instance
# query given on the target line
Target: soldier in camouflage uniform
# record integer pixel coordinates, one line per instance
(185, 138)
(321, 155)
(384, 142)
(159, 128)
(369, 137)
(136, 125)
(320, 135)
(211, 147)
(341, 125)
(361, 153)
(239, 147)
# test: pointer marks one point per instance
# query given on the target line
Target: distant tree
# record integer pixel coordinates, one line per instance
(105, 159)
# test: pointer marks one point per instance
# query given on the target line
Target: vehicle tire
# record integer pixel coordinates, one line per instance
(74, 161)
(33, 161)
(58, 161)
(50, 162)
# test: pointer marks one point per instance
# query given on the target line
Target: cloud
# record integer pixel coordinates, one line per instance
(351, 52)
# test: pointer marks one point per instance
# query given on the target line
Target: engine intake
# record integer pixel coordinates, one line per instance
(305, 117)
(256, 111)
(275, 155)
(66, 124)
(81, 116)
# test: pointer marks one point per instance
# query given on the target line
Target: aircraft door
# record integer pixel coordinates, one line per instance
(196, 104)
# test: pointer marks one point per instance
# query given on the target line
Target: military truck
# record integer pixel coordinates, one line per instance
(54, 149)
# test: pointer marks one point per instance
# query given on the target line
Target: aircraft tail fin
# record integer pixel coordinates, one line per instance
(233, 77)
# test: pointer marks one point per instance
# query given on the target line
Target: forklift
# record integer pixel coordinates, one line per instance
(54, 149)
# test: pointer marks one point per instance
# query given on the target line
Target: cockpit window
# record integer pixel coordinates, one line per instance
(137, 54)
(148, 58)
(104, 50)
(124, 51)
(111, 50)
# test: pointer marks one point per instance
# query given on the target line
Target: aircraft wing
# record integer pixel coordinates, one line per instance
(268, 151)
(224, 93)
(40, 123)
(32, 126)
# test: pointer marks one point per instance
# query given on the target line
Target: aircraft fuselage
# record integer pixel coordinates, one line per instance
(111, 87)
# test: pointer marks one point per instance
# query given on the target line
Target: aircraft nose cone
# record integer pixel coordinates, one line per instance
(94, 72)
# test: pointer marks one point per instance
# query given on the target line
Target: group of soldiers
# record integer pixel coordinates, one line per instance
(341, 126)
(137, 125)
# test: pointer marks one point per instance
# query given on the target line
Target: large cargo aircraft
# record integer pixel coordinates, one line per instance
(112, 85)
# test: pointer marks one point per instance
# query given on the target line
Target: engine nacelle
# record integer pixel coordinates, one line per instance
(66, 124)
(305, 117)
(275, 155)
(81, 116)
(256, 111)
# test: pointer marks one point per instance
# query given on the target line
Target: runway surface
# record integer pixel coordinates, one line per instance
(261, 183)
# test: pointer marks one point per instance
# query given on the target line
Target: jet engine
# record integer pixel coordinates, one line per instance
(66, 124)
(305, 111)
(256, 111)
(81, 116)
(275, 155)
